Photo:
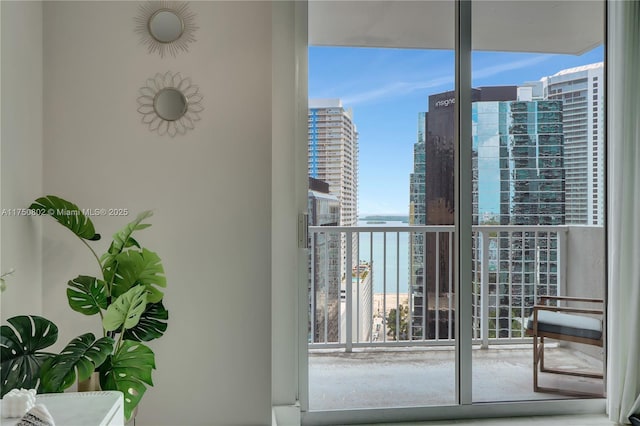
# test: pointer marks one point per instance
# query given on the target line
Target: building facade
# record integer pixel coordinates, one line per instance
(324, 270)
(518, 179)
(430, 266)
(333, 154)
(361, 304)
(581, 89)
(333, 158)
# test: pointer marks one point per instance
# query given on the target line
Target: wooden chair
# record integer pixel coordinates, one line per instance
(566, 324)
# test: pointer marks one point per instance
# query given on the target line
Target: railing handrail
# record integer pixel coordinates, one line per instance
(520, 228)
(406, 228)
(441, 228)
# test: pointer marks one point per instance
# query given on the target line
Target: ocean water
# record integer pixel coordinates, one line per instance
(396, 267)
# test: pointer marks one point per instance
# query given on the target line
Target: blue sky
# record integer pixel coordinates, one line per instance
(386, 88)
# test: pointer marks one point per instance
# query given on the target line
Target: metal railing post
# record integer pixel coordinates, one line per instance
(349, 294)
(436, 293)
(312, 287)
(562, 261)
(484, 290)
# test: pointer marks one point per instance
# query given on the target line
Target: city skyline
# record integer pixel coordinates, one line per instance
(387, 88)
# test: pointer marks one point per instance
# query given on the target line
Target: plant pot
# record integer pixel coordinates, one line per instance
(92, 384)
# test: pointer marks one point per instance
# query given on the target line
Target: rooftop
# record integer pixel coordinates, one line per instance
(580, 68)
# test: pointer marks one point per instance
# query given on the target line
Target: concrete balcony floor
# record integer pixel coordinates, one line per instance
(406, 377)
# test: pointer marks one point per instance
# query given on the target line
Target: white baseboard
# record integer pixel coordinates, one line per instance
(285, 415)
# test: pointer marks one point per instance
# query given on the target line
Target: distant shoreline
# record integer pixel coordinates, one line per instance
(384, 218)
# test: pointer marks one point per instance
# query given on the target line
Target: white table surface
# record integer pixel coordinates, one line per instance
(103, 408)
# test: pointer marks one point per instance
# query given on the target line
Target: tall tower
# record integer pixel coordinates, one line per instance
(333, 154)
(519, 179)
(324, 271)
(581, 89)
(432, 285)
(333, 158)
(417, 207)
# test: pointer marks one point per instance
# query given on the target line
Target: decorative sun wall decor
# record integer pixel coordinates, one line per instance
(170, 104)
(166, 26)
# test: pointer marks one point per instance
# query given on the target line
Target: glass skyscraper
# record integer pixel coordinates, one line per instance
(518, 157)
(518, 179)
(581, 90)
(433, 173)
(324, 271)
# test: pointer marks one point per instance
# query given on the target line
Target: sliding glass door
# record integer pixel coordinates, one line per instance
(538, 192)
(456, 176)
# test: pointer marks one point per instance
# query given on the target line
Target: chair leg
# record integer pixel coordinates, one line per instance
(535, 363)
(542, 354)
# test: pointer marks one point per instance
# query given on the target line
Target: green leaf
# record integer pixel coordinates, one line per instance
(20, 344)
(122, 239)
(127, 371)
(152, 324)
(67, 214)
(143, 268)
(126, 310)
(87, 295)
(83, 354)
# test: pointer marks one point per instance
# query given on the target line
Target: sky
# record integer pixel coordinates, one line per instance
(386, 88)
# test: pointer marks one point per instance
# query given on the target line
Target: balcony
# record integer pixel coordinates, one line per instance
(384, 359)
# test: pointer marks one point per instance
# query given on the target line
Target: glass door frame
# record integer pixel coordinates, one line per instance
(464, 407)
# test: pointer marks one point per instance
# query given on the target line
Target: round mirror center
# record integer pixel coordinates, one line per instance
(170, 104)
(165, 26)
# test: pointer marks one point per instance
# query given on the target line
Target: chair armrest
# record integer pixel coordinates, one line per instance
(567, 309)
(572, 299)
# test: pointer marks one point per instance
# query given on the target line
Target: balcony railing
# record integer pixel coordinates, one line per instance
(376, 305)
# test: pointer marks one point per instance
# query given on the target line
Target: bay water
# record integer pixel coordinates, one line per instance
(396, 267)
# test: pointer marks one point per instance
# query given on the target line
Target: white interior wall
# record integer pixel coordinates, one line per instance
(289, 180)
(586, 271)
(585, 261)
(210, 190)
(20, 155)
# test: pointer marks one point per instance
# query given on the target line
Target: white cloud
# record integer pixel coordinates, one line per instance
(394, 89)
(509, 66)
(403, 88)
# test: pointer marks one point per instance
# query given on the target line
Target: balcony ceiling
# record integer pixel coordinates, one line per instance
(543, 26)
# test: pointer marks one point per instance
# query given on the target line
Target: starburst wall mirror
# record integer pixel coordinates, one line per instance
(170, 104)
(166, 26)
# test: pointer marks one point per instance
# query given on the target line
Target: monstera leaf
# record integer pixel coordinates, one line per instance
(83, 354)
(122, 239)
(127, 371)
(20, 347)
(68, 214)
(152, 324)
(87, 295)
(126, 310)
(133, 268)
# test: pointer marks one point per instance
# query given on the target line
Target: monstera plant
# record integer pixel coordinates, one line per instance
(125, 295)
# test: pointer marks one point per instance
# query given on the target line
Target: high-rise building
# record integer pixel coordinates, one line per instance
(581, 89)
(417, 203)
(324, 271)
(361, 304)
(518, 159)
(333, 158)
(518, 179)
(333, 154)
(434, 280)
